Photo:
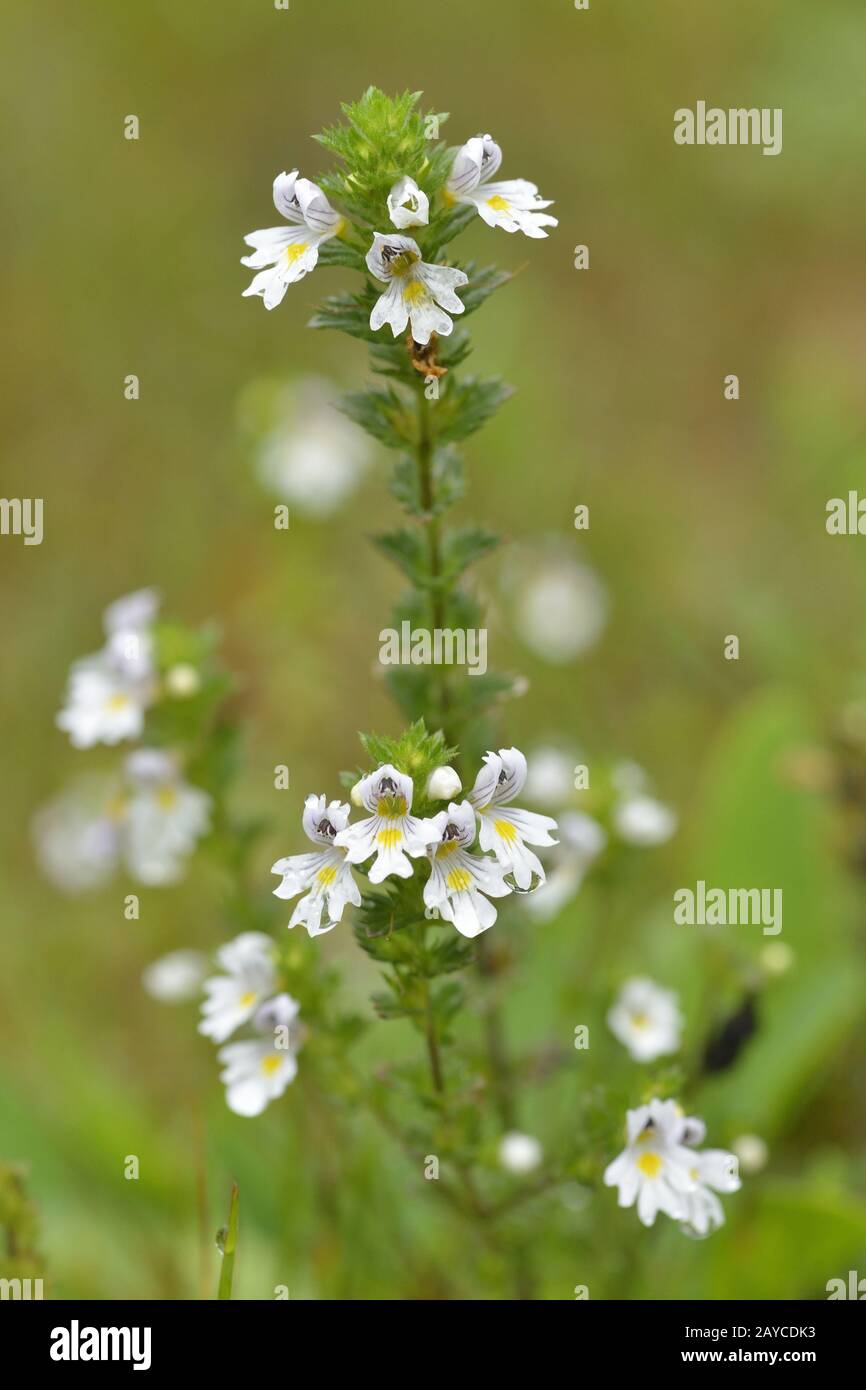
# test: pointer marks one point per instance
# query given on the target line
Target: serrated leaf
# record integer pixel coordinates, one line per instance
(407, 551)
(469, 404)
(382, 413)
(462, 548)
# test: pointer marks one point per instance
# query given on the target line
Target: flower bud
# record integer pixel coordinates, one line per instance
(443, 784)
(355, 795)
(182, 681)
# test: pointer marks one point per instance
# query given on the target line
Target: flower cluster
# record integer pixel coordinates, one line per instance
(256, 1070)
(661, 1170)
(460, 883)
(146, 816)
(418, 294)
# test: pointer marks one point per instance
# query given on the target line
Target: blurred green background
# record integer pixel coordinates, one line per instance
(707, 518)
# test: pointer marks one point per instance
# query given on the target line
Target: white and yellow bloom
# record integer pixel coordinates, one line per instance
(389, 832)
(326, 873)
(461, 884)
(646, 1019)
(110, 690)
(417, 293)
(289, 253)
(255, 1072)
(250, 980)
(713, 1170)
(644, 822)
(408, 205)
(165, 817)
(77, 835)
(505, 830)
(515, 205)
(655, 1169)
(174, 978)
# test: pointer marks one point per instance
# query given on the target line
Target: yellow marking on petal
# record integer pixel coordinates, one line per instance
(247, 999)
(693, 1174)
(505, 829)
(117, 702)
(650, 1165)
(498, 203)
(415, 292)
(390, 807)
(270, 1065)
(389, 839)
(294, 251)
(448, 198)
(166, 798)
(459, 880)
(447, 847)
(403, 262)
(640, 1020)
(326, 875)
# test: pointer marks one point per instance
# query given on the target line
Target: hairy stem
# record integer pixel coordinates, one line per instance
(430, 522)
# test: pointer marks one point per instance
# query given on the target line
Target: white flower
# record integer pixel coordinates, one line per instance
(502, 829)
(443, 784)
(643, 821)
(389, 833)
(458, 880)
(519, 1153)
(182, 681)
(176, 977)
(255, 1073)
(417, 293)
(655, 1168)
(777, 958)
(560, 604)
(514, 205)
(311, 457)
(101, 707)
(582, 840)
(165, 817)
(713, 1170)
(327, 872)
(751, 1151)
(233, 998)
(549, 776)
(646, 1020)
(289, 253)
(408, 205)
(77, 835)
(110, 690)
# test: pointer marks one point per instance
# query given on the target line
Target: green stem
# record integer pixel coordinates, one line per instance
(431, 526)
(229, 1245)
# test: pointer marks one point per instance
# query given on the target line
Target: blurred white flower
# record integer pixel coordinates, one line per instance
(560, 605)
(713, 1170)
(408, 205)
(549, 776)
(250, 980)
(519, 1153)
(628, 778)
(655, 1168)
(76, 836)
(777, 958)
(182, 681)
(310, 455)
(174, 978)
(643, 821)
(581, 841)
(646, 1019)
(255, 1072)
(165, 817)
(751, 1151)
(109, 691)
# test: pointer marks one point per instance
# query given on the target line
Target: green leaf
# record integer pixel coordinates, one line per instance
(447, 476)
(483, 282)
(349, 313)
(462, 548)
(468, 404)
(382, 413)
(407, 551)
